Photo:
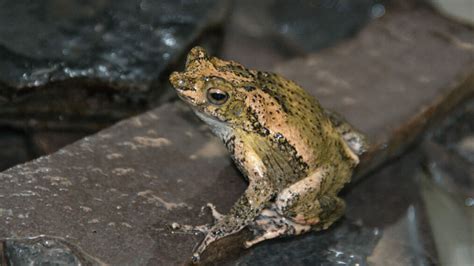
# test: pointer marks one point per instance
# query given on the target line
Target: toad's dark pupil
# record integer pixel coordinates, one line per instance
(218, 96)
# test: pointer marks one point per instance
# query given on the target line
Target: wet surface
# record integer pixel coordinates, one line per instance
(344, 243)
(448, 185)
(457, 132)
(449, 152)
(391, 200)
(113, 195)
(75, 67)
(43, 251)
(125, 43)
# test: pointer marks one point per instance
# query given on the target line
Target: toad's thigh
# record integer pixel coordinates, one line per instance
(304, 202)
(300, 200)
(320, 213)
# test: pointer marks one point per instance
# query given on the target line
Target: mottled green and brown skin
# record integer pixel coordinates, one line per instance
(296, 155)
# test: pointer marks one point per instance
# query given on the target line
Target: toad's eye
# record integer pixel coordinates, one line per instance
(217, 96)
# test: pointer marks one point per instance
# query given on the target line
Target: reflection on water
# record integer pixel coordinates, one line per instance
(447, 186)
(451, 221)
(390, 200)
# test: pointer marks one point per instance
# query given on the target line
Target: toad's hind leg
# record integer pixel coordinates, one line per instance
(356, 140)
(301, 207)
(330, 210)
(270, 224)
(309, 202)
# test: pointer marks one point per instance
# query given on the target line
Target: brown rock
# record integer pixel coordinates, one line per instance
(394, 78)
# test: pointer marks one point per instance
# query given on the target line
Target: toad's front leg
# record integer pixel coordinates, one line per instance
(242, 214)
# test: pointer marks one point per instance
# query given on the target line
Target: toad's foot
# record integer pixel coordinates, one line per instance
(190, 229)
(269, 224)
(218, 231)
(205, 228)
(217, 215)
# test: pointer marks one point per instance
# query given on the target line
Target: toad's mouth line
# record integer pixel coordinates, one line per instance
(210, 120)
(220, 128)
(186, 98)
(183, 89)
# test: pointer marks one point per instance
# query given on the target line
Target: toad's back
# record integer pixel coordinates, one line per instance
(289, 112)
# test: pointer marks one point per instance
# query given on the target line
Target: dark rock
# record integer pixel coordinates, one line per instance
(124, 44)
(447, 185)
(277, 30)
(78, 66)
(457, 132)
(306, 26)
(449, 153)
(345, 243)
(115, 194)
(450, 216)
(44, 251)
(3, 259)
(13, 147)
(449, 170)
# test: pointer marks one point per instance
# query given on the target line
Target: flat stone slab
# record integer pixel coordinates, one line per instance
(114, 194)
(394, 79)
(111, 196)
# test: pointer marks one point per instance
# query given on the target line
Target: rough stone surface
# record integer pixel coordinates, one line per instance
(114, 194)
(118, 192)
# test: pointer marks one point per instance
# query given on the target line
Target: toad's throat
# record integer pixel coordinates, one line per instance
(219, 128)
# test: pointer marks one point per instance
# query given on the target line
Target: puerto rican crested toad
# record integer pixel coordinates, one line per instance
(296, 155)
